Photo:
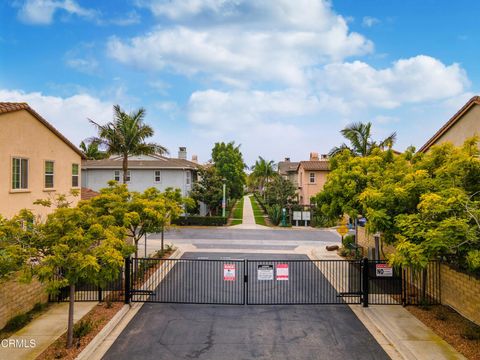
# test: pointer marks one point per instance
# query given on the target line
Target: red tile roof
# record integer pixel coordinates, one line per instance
(87, 194)
(453, 120)
(315, 165)
(6, 107)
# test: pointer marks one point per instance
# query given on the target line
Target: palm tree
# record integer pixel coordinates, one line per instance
(263, 170)
(91, 150)
(126, 136)
(361, 144)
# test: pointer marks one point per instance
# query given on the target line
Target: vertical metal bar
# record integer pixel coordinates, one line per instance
(365, 279)
(127, 280)
(100, 294)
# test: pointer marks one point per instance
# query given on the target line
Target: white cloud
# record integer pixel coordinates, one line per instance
(413, 80)
(42, 12)
(288, 122)
(130, 18)
(68, 115)
(369, 21)
(238, 42)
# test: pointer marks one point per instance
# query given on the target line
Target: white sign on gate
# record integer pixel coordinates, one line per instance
(229, 272)
(282, 271)
(265, 272)
(297, 215)
(383, 270)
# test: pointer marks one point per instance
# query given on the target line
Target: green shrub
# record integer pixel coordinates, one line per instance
(343, 252)
(17, 322)
(200, 221)
(82, 328)
(348, 239)
(275, 214)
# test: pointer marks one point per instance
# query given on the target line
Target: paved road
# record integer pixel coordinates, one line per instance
(180, 331)
(248, 234)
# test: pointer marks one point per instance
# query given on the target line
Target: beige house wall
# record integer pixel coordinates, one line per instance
(306, 188)
(23, 135)
(467, 126)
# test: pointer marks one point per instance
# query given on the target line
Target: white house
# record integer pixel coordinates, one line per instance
(143, 172)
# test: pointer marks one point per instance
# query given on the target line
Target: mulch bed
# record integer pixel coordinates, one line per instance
(100, 315)
(451, 327)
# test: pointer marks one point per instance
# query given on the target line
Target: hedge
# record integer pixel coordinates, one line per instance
(200, 220)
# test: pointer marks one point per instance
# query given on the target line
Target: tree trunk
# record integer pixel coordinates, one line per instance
(70, 316)
(125, 168)
(163, 236)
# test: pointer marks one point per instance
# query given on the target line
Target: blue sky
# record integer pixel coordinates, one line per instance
(279, 77)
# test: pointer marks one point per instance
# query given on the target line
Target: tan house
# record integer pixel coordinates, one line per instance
(312, 176)
(36, 161)
(464, 124)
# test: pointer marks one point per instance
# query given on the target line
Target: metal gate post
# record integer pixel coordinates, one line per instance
(245, 282)
(127, 280)
(365, 281)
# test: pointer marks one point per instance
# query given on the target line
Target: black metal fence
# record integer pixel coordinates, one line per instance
(264, 282)
(84, 291)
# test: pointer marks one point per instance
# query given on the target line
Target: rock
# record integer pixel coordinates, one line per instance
(332, 247)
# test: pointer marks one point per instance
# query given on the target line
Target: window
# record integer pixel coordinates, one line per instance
(189, 178)
(74, 175)
(49, 167)
(116, 176)
(312, 178)
(157, 176)
(19, 173)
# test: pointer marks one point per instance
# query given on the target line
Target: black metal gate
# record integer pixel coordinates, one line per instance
(265, 282)
(202, 281)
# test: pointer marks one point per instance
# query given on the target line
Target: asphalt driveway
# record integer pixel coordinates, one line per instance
(183, 331)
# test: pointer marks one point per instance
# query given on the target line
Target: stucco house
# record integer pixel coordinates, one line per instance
(36, 161)
(312, 176)
(288, 170)
(143, 172)
(464, 124)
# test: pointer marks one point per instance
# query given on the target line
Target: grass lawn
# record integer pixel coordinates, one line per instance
(258, 212)
(237, 213)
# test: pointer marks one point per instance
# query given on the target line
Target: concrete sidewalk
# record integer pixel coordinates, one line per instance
(248, 221)
(44, 330)
(400, 333)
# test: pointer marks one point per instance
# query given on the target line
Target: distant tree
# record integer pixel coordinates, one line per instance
(281, 192)
(263, 170)
(91, 150)
(208, 189)
(126, 136)
(228, 160)
(360, 138)
(138, 213)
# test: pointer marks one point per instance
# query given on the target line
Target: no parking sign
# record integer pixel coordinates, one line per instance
(229, 272)
(282, 271)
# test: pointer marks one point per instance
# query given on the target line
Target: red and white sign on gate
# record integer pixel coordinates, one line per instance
(229, 272)
(282, 271)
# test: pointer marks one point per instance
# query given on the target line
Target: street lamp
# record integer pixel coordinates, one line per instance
(224, 201)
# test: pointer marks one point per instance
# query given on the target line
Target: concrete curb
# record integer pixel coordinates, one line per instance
(100, 344)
